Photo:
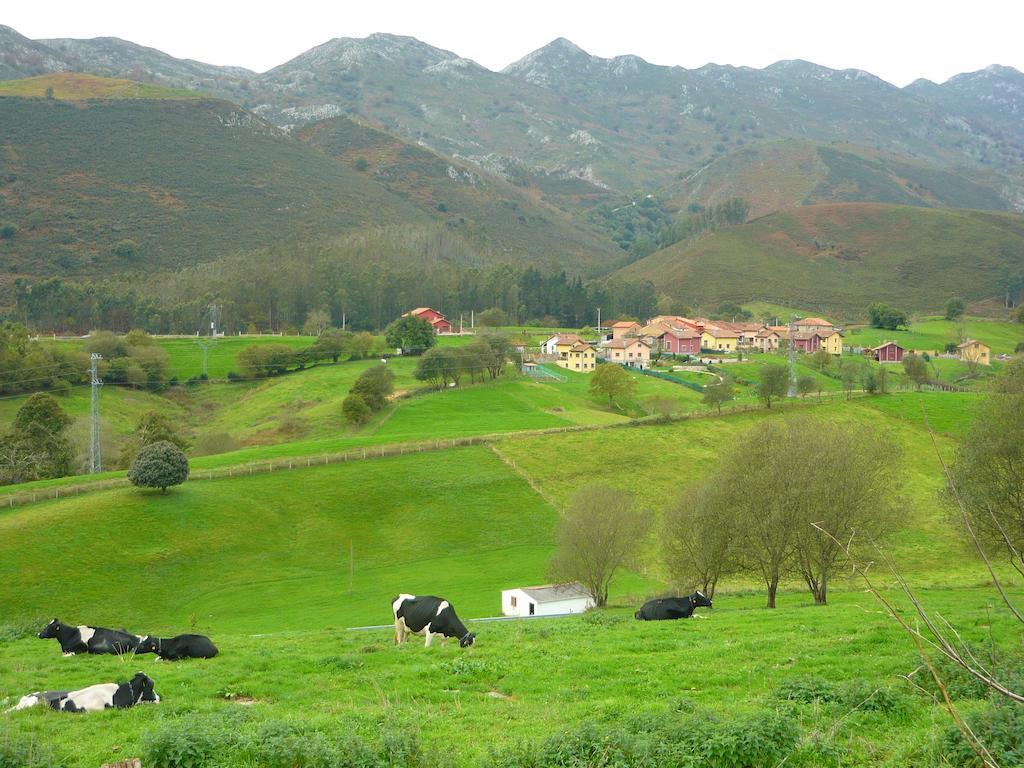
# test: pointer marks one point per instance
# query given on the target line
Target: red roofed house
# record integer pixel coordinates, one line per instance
(432, 316)
(889, 352)
(633, 353)
(680, 341)
(624, 328)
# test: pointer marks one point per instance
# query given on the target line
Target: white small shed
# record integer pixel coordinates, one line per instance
(547, 600)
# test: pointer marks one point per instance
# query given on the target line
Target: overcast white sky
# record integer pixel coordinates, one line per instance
(898, 40)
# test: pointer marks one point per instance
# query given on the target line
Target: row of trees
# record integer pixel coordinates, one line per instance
(363, 281)
(802, 477)
(260, 360)
(485, 357)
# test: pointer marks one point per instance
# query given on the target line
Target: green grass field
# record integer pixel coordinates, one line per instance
(932, 334)
(280, 567)
(262, 564)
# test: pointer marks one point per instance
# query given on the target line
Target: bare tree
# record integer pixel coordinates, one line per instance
(989, 468)
(700, 539)
(597, 535)
(846, 487)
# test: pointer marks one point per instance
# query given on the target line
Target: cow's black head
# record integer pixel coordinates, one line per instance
(467, 640)
(50, 630)
(700, 600)
(142, 688)
(636, 615)
(148, 644)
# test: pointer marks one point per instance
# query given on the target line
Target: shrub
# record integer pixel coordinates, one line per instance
(355, 409)
(7, 231)
(185, 744)
(374, 385)
(1000, 728)
(234, 376)
(805, 690)
(159, 465)
(25, 753)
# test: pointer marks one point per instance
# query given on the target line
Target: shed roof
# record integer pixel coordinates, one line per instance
(552, 593)
(971, 343)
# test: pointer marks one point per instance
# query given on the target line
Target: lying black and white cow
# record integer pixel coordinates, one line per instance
(94, 698)
(672, 607)
(430, 616)
(83, 639)
(179, 647)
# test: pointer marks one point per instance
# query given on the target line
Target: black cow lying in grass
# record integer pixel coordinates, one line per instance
(94, 698)
(179, 647)
(672, 607)
(430, 616)
(83, 639)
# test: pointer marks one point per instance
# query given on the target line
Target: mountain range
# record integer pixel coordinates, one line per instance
(525, 162)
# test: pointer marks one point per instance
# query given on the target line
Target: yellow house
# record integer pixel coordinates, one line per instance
(581, 357)
(973, 351)
(831, 342)
(719, 339)
(624, 328)
(635, 353)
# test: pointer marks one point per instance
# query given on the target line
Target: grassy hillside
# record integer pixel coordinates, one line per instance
(299, 414)
(775, 175)
(120, 185)
(842, 257)
(263, 565)
(75, 86)
(489, 211)
(934, 334)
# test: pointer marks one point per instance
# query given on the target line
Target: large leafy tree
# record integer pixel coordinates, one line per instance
(612, 381)
(412, 335)
(38, 443)
(159, 465)
(773, 383)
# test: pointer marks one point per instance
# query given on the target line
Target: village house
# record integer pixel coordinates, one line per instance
(767, 340)
(973, 351)
(580, 357)
(719, 339)
(888, 352)
(624, 328)
(547, 600)
(811, 324)
(439, 322)
(633, 353)
(680, 341)
(555, 346)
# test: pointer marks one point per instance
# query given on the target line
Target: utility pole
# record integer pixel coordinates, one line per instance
(599, 322)
(94, 446)
(792, 356)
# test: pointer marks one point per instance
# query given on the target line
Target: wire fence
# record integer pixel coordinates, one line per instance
(30, 496)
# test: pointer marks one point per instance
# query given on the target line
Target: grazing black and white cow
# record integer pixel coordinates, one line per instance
(94, 698)
(430, 616)
(179, 647)
(672, 607)
(83, 639)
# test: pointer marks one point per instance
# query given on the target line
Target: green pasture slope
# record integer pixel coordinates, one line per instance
(263, 565)
(933, 334)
